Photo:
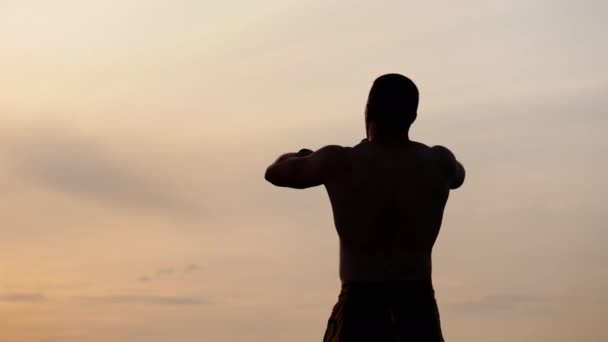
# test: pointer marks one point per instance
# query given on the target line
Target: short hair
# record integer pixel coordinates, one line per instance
(392, 103)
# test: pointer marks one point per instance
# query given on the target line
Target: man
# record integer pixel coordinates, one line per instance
(388, 194)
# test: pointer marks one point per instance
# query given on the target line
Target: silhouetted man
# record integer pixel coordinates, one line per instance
(388, 194)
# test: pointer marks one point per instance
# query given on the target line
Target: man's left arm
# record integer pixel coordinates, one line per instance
(304, 169)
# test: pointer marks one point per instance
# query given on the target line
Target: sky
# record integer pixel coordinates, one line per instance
(134, 136)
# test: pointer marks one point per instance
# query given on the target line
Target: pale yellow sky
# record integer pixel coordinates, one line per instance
(134, 136)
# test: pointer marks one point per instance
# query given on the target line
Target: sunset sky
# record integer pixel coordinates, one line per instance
(134, 137)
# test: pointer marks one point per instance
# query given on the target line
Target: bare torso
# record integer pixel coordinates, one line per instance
(388, 204)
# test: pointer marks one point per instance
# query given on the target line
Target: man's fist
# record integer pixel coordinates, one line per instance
(304, 152)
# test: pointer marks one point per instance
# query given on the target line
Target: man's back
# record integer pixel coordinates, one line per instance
(388, 202)
(388, 194)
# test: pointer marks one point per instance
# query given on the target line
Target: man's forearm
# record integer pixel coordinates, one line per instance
(302, 153)
(285, 156)
(282, 166)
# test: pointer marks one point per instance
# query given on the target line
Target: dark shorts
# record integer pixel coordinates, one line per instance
(404, 311)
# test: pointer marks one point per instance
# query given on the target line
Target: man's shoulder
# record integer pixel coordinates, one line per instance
(442, 153)
(333, 154)
(333, 160)
(436, 153)
(422, 146)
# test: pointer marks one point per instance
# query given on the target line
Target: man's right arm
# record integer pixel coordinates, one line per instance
(455, 170)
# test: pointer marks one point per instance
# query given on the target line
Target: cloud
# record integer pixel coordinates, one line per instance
(144, 279)
(67, 337)
(170, 271)
(59, 159)
(166, 271)
(43, 286)
(142, 299)
(23, 297)
(192, 268)
(492, 303)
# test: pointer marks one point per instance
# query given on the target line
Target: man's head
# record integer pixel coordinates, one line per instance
(392, 105)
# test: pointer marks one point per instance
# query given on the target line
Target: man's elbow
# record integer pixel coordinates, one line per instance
(274, 176)
(279, 178)
(270, 175)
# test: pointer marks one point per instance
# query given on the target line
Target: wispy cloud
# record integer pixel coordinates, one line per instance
(166, 271)
(143, 279)
(170, 271)
(142, 299)
(59, 159)
(492, 303)
(192, 268)
(67, 337)
(23, 297)
(46, 286)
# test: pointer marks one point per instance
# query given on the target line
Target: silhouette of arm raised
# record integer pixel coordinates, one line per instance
(453, 168)
(304, 169)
